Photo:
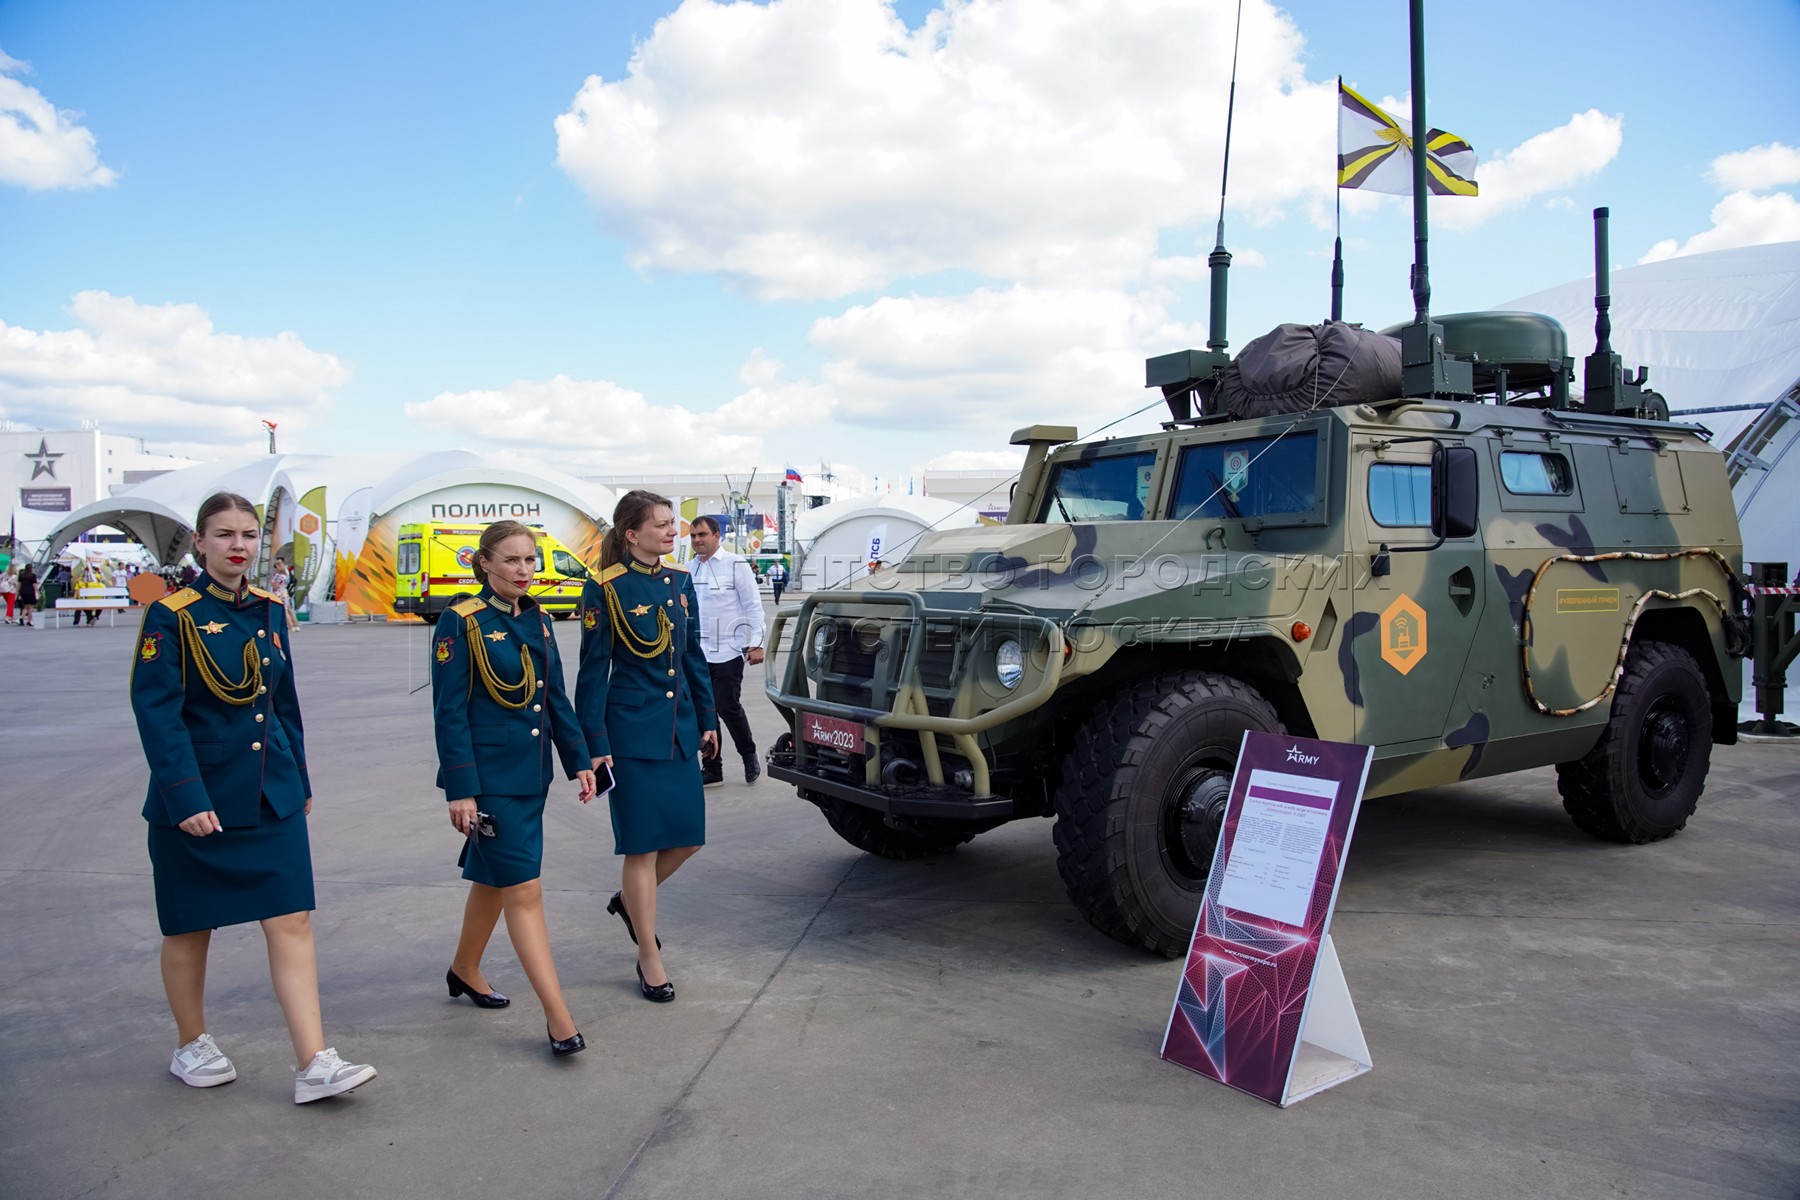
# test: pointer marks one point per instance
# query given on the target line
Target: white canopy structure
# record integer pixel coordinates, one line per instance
(1720, 333)
(839, 541)
(334, 518)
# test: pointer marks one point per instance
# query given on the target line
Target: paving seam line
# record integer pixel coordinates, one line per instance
(637, 1155)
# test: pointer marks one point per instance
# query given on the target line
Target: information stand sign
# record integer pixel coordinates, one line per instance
(1262, 1005)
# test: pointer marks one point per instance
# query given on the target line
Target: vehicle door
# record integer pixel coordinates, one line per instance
(1416, 605)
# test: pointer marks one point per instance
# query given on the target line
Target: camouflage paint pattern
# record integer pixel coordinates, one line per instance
(1435, 662)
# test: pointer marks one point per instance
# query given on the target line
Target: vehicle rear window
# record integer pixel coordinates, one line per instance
(1400, 494)
(1113, 488)
(409, 559)
(1533, 473)
(1253, 477)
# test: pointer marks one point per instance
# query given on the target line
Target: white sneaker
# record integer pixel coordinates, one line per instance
(329, 1075)
(201, 1063)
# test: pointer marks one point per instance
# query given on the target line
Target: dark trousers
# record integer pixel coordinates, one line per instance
(776, 588)
(727, 685)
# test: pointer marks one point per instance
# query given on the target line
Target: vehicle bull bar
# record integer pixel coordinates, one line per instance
(790, 688)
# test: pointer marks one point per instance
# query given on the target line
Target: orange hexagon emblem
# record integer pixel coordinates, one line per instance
(1403, 634)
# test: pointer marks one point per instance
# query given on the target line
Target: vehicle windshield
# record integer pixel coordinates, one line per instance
(1253, 477)
(567, 565)
(1115, 488)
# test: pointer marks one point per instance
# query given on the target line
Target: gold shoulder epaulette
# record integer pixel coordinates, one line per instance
(611, 573)
(181, 599)
(265, 594)
(463, 608)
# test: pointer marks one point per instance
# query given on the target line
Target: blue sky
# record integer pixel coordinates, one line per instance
(883, 234)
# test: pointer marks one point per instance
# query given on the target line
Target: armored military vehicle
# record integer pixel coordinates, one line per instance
(1444, 556)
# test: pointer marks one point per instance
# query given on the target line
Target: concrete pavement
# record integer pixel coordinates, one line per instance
(1548, 1015)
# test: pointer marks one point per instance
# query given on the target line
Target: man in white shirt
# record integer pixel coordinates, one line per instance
(731, 633)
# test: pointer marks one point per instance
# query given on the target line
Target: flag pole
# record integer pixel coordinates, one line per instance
(1337, 253)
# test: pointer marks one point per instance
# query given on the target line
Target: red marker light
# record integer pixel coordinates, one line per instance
(1301, 631)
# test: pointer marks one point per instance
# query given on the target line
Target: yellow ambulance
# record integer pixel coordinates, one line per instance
(433, 565)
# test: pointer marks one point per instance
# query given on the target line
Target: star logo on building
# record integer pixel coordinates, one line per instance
(43, 462)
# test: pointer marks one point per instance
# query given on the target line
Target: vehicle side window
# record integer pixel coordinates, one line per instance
(409, 558)
(1400, 494)
(567, 565)
(1534, 473)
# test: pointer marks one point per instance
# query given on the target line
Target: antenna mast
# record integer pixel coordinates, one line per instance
(1186, 373)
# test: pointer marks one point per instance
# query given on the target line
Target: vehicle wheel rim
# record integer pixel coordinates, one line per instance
(1664, 746)
(1193, 815)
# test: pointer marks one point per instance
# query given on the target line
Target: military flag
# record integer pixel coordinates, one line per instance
(1375, 152)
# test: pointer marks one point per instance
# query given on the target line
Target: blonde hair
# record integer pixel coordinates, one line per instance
(492, 536)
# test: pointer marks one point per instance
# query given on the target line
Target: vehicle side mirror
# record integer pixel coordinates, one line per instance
(1455, 492)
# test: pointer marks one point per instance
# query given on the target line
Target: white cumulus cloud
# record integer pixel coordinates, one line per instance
(42, 146)
(1545, 163)
(1750, 214)
(1757, 168)
(996, 358)
(162, 371)
(608, 427)
(816, 148)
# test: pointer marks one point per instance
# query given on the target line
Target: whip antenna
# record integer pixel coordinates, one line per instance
(1220, 258)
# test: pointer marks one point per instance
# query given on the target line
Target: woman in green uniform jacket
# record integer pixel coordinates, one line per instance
(498, 702)
(212, 686)
(644, 696)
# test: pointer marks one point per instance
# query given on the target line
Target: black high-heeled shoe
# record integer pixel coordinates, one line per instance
(574, 1045)
(616, 906)
(661, 993)
(481, 999)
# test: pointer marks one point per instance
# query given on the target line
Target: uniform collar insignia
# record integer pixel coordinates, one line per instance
(499, 635)
(218, 592)
(213, 627)
(641, 569)
(640, 610)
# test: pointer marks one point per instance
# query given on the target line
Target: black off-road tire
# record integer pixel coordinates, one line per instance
(1643, 778)
(867, 830)
(1141, 797)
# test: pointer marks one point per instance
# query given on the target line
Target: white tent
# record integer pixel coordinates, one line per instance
(303, 497)
(1717, 331)
(839, 541)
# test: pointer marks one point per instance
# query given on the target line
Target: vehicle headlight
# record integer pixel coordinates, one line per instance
(1009, 664)
(821, 640)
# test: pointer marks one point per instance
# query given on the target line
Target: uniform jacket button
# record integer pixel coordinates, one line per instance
(262, 689)
(534, 733)
(256, 745)
(668, 602)
(259, 718)
(537, 708)
(540, 683)
(669, 695)
(265, 662)
(671, 670)
(259, 633)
